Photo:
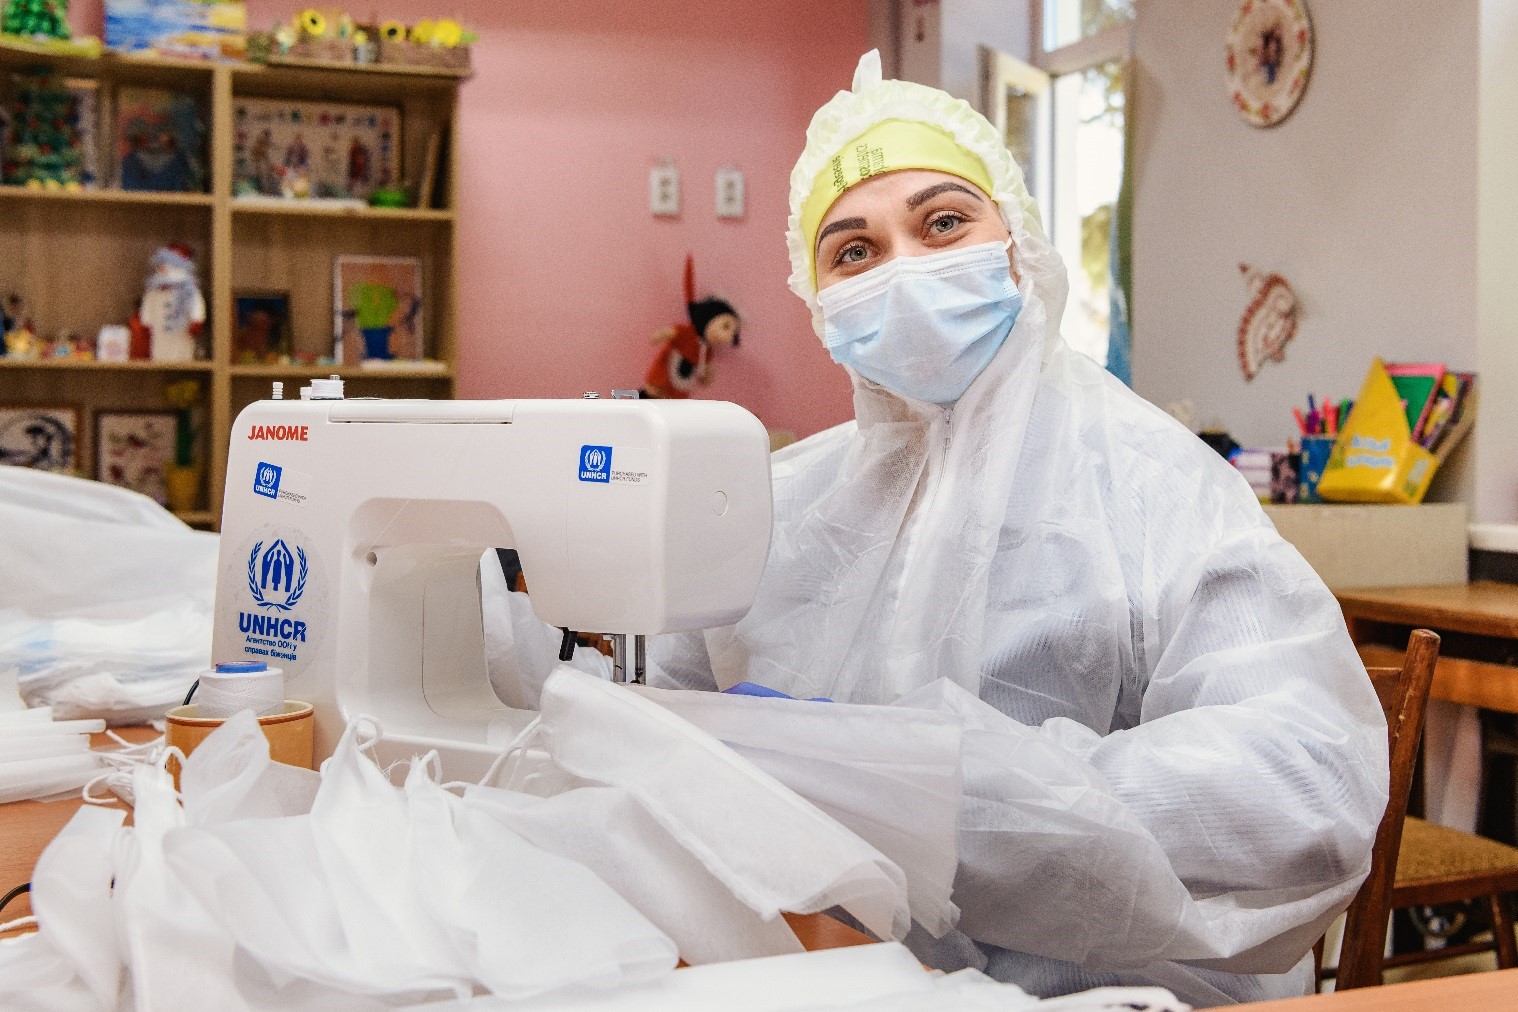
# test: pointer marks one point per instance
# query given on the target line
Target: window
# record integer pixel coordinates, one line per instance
(1085, 50)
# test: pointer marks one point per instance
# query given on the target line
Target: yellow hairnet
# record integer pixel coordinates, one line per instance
(867, 107)
(888, 146)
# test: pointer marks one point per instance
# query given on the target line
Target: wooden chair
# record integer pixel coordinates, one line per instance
(1435, 864)
(1404, 694)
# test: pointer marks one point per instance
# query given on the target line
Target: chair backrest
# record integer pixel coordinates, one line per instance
(1404, 694)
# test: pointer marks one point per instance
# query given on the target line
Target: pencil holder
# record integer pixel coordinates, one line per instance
(1315, 451)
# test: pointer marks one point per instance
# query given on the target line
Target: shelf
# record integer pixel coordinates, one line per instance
(83, 364)
(271, 371)
(446, 73)
(20, 54)
(109, 196)
(317, 209)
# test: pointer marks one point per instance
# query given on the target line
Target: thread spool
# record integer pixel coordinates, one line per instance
(247, 685)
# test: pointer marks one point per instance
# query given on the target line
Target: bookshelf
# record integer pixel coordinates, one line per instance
(80, 258)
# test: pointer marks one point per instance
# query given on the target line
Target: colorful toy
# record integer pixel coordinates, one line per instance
(173, 311)
(684, 358)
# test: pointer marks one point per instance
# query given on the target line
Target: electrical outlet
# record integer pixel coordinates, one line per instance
(664, 190)
(729, 193)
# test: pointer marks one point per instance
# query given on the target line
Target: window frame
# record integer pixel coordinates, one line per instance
(1112, 44)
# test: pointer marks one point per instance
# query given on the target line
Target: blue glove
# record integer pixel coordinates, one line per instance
(755, 689)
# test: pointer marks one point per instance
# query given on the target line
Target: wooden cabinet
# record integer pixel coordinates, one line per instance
(80, 259)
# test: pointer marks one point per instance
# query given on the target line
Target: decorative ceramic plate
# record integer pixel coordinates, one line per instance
(1269, 59)
(1269, 321)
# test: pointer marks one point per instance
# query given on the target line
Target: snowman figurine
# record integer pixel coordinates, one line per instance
(173, 312)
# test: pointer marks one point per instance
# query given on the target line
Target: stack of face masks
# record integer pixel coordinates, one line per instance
(263, 886)
(40, 757)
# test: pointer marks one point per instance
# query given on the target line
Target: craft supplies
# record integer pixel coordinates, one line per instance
(1406, 421)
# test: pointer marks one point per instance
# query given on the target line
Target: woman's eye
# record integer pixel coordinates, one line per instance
(852, 254)
(944, 223)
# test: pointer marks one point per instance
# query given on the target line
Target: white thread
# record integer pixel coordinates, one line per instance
(223, 693)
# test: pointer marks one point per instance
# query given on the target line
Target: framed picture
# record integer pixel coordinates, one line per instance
(261, 326)
(319, 149)
(160, 141)
(377, 308)
(134, 449)
(44, 437)
(181, 29)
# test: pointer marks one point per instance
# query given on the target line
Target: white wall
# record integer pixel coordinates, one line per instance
(1492, 453)
(967, 24)
(947, 56)
(1365, 199)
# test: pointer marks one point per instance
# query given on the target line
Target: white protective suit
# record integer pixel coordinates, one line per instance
(1176, 765)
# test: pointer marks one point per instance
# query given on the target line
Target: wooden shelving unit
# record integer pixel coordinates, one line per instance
(80, 258)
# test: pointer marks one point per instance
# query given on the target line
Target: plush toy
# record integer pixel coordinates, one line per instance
(684, 358)
(173, 311)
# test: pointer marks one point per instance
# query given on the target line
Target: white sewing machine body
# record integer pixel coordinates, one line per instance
(352, 532)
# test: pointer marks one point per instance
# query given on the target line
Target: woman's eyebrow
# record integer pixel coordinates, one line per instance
(842, 224)
(921, 196)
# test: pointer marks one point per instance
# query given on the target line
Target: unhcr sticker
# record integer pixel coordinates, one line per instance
(595, 464)
(280, 604)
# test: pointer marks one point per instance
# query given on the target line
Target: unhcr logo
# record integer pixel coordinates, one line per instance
(595, 464)
(276, 575)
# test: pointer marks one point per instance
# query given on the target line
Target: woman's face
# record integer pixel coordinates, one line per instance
(909, 213)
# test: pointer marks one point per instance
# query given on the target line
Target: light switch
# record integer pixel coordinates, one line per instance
(664, 189)
(729, 193)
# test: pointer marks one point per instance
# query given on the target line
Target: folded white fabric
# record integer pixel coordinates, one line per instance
(877, 978)
(889, 773)
(608, 831)
(773, 849)
(41, 757)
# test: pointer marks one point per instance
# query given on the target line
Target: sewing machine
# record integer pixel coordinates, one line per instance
(352, 532)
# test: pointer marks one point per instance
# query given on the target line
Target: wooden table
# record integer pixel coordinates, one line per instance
(1478, 622)
(1477, 992)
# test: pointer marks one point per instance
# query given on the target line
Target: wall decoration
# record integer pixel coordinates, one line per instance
(261, 327)
(1269, 321)
(46, 438)
(133, 449)
(317, 149)
(160, 141)
(1269, 55)
(378, 308)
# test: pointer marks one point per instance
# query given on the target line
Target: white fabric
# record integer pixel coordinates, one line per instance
(105, 597)
(1176, 764)
(773, 850)
(876, 978)
(889, 774)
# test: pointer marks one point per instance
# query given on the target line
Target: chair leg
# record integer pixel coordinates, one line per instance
(1502, 931)
(1317, 966)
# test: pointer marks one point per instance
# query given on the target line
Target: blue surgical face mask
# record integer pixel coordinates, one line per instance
(924, 327)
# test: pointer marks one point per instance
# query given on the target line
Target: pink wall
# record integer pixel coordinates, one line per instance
(565, 275)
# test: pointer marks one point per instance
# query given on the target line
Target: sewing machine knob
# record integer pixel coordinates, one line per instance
(327, 389)
(719, 503)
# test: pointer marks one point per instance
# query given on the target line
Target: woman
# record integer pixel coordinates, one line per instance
(1177, 764)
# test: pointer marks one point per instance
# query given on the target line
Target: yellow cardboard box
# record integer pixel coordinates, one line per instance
(1375, 459)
